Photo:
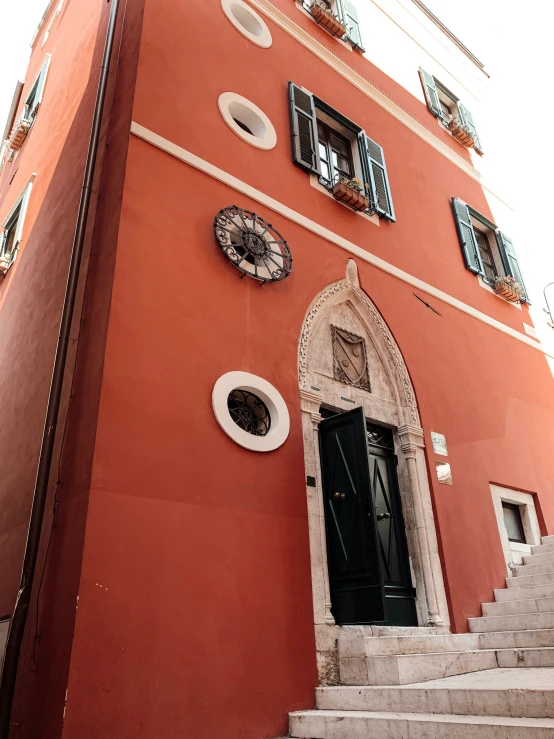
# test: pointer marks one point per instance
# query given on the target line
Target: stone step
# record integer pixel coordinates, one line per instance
(540, 569)
(527, 605)
(539, 558)
(372, 725)
(517, 622)
(400, 669)
(351, 647)
(542, 548)
(525, 581)
(532, 591)
(384, 631)
(533, 638)
(539, 657)
(520, 693)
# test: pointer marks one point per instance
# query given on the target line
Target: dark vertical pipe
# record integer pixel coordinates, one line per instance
(19, 618)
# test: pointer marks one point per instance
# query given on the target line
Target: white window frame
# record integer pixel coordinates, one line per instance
(21, 203)
(52, 21)
(515, 551)
(447, 97)
(38, 85)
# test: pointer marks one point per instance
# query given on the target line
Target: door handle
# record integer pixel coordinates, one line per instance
(381, 516)
(339, 496)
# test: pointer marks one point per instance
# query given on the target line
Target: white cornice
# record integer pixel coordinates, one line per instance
(228, 179)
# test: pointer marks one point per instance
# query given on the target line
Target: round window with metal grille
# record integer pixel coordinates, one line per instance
(249, 412)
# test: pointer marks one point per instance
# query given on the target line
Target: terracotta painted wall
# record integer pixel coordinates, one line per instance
(30, 306)
(195, 614)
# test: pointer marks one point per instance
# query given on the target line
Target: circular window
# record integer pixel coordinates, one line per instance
(251, 411)
(247, 22)
(247, 120)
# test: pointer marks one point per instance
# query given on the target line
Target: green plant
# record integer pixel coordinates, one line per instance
(354, 183)
(510, 281)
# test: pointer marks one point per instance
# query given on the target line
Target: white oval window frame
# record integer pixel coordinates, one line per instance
(269, 138)
(264, 40)
(278, 411)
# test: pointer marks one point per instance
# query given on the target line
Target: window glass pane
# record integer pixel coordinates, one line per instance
(512, 521)
(486, 254)
(341, 163)
(446, 109)
(339, 145)
(320, 131)
(325, 170)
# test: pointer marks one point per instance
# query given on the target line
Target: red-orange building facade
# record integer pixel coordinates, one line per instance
(192, 586)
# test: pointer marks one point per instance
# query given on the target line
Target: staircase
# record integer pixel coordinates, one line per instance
(497, 682)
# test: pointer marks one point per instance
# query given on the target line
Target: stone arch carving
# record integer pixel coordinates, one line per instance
(317, 387)
(351, 285)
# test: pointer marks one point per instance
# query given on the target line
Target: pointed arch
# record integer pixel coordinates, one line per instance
(392, 402)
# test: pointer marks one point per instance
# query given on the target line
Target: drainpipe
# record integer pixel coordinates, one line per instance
(19, 618)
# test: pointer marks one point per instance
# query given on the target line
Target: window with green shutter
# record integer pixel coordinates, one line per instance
(338, 17)
(303, 129)
(450, 111)
(511, 263)
(466, 234)
(34, 97)
(331, 146)
(487, 251)
(353, 25)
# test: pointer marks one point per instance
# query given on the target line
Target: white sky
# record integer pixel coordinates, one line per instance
(514, 41)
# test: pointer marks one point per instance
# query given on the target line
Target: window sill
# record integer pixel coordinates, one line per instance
(488, 287)
(314, 182)
(346, 44)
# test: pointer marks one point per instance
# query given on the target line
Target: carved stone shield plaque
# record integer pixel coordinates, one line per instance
(350, 359)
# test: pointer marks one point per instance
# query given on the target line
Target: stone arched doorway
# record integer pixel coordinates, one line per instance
(380, 384)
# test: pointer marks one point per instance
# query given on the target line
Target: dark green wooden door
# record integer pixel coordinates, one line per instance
(355, 571)
(367, 553)
(393, 550)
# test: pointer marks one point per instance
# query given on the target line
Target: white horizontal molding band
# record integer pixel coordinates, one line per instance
(228, 179)
(327, 56)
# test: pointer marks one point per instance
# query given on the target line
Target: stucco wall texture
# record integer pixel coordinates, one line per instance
(195, 613)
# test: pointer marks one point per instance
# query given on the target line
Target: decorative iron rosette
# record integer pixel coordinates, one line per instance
(252, 245)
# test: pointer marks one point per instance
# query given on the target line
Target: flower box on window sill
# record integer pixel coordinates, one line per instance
(508, 290)
(350, 195)
(5, 264)
(326, 18)
(461, 132)
(19, 133)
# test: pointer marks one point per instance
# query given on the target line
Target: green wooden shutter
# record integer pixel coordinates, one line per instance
(303, 129)
(431, 94)
(466, 233)
(376, 168)
(354, 31)
(467, 118)
(510, 261)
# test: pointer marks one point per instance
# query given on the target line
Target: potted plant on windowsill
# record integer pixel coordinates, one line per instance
(19, 133)
(5, 264)
(461, 132)
(508, 288)
(351, 193)
(323, 14)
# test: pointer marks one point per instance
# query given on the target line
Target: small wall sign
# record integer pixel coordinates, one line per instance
(439, 443)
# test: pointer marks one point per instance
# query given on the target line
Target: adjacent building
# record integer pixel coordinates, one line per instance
(304, 397)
